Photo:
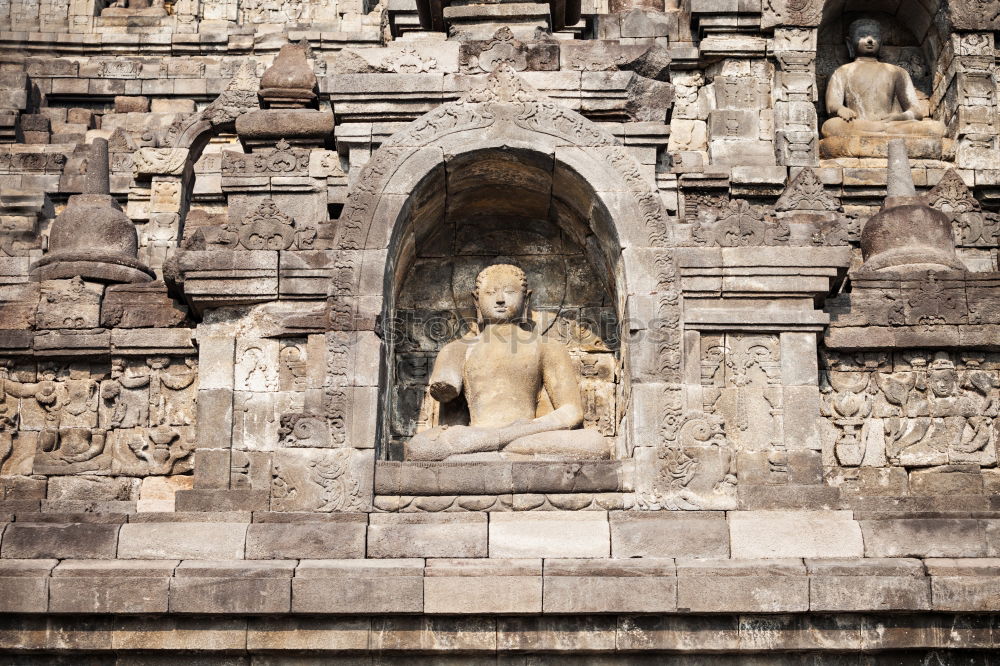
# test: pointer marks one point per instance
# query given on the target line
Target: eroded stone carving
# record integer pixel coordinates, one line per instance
(283, 160)
(738, 224)
(805, 193)
(132, 421)
(500, 370)
(321, 480)
(695, 463)
(791, 12)
(918, 409)
(970, 223)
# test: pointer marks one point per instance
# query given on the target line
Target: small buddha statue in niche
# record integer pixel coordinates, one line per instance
(870, 102)
(502, 370)
(135, 7)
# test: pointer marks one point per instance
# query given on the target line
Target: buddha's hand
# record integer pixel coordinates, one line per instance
(846, 113)
(904, 115)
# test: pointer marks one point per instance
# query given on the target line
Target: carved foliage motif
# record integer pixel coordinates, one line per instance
(299, 429)
(316, 480)
(408, 61)
(738, 224)
(503, 50)
(970, 224)
(805, 193)
(119, 69)
(696, 466)
(791, 12)
(975, 14)
(915, 409)
(668, 327)
(335, 399)
(263, 228)
(282, 161)
(267, 228)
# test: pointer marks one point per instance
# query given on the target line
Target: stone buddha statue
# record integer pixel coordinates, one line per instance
(503, 370)
(871, 102)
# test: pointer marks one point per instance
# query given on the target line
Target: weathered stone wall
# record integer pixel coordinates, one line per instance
(237, 236)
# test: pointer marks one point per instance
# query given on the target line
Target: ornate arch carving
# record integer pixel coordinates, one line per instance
(505, 102)
(507, 113)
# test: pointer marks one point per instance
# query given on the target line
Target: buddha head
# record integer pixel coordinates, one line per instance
(501, 294)
(864, 38)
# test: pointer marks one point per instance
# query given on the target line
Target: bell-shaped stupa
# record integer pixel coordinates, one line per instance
(93, 238)
(907, 235)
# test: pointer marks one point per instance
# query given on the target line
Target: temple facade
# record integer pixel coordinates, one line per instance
(557, 331)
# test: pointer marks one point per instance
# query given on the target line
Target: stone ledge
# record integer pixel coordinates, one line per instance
(591, 533)
(496, 478)
(613, 636)
(477, 586)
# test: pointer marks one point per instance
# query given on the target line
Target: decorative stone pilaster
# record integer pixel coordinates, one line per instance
(794, 93)
(974, 114)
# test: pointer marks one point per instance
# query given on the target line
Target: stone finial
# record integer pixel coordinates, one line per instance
(907, 235)
(289, 83)
(899, 176)
(98, 168)
(93, 238)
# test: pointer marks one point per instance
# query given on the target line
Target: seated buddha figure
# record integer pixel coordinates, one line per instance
(871, 102)
(502, 371)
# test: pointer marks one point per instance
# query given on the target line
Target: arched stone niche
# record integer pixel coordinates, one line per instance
(510, 206)
(170, 167)
(915, 37)
(504, 172)
(912, 40)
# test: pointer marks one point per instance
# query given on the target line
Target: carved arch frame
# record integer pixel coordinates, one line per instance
(628, 219)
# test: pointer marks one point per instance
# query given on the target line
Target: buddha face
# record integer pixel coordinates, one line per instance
(865, 37)
(500, 294)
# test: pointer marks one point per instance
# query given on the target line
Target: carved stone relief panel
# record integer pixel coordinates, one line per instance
(130, 417)
(741, 380)
(972, 226)
(915, 408)
(69, 304)
(695, 466)
(321, 480)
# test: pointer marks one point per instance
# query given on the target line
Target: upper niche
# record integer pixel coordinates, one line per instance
(499, 206)
(910, 41)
